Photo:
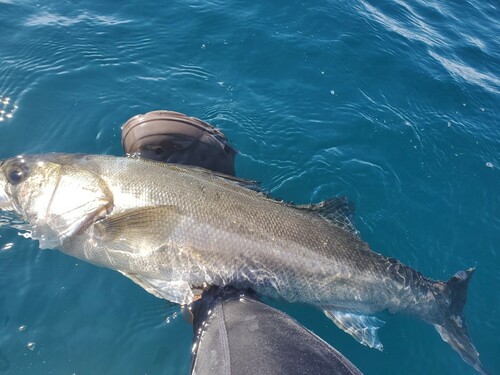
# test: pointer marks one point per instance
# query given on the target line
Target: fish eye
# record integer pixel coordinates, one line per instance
(17, 174)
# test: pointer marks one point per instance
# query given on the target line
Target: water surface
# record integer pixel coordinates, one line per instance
(393, 104)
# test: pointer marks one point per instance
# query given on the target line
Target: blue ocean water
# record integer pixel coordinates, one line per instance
(394, 104)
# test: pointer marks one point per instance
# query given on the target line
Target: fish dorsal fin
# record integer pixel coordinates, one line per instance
(193, 169)
(176, 291)
(362, 327)
(138, 231)
(338, 210)
(248, 184)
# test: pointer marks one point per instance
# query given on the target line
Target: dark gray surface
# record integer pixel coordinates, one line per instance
(237, 335)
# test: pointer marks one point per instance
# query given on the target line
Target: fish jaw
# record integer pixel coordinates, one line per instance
(5, 203)
(77, 201)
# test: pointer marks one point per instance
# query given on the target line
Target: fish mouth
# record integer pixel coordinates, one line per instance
(5, 202)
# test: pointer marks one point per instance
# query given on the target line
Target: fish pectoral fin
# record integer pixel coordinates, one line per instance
(338, 211)
(174, 291)
(362, 327)
(139, 231)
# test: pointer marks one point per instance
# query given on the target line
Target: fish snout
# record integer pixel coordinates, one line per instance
(5, 202)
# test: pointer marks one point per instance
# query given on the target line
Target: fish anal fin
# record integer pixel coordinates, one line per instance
(176, 291)
(141, 230)
(338, 210)
(363, 328)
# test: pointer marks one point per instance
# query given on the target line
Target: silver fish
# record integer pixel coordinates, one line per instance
(175, 230)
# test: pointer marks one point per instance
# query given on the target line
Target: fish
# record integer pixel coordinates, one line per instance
(176, 230)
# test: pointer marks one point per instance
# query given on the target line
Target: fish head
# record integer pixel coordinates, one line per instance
(56, 198)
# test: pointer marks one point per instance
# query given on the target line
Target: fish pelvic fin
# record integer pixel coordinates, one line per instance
(454, 329)
(362, 327)
(176, 291)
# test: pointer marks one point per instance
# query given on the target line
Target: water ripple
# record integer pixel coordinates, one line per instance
(190, 71)
(46, 18)
(405, 23)
(461, 71)
(430, 24)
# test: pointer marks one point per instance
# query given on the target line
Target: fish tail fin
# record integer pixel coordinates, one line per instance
(453, 329)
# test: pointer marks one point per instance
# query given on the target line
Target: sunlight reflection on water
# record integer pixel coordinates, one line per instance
(7, 108)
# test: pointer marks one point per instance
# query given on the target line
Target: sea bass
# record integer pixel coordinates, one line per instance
(175, 230)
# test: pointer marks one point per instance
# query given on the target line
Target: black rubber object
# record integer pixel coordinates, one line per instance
(235, 334)
(174, 137)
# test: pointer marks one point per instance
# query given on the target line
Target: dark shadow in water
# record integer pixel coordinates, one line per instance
(4, 362)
